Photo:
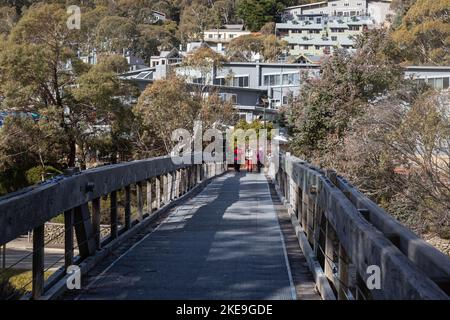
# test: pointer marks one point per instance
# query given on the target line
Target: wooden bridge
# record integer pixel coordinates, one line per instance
(182, 231)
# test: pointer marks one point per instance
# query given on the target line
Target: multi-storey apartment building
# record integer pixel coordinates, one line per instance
(218, 39)
(321, 27)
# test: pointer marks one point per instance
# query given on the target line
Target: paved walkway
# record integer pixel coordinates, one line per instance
(225, 243)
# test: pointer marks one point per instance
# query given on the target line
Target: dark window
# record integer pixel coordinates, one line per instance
(240, 81)
(199, 80)
(219, 81)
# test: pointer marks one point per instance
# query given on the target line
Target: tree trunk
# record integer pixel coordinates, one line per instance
(72, 153)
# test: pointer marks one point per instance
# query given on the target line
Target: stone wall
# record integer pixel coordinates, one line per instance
(54, 233)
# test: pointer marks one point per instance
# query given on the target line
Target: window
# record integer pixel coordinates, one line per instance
(317, 47)
(437, 83)
(231, 36)
(210, 36)
(199, 80)
(305, 47)
(333, 38)
(272, 80)
(353, 28)
(240, 82)
(219, 81)
(228, 97)
(291, 79)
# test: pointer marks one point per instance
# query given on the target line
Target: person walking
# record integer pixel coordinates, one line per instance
(248, 159)
(258, 161)
(237, 167)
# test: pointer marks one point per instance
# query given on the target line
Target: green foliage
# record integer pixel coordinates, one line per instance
(424, 33)
(256, 13)
(39, 174)
(168, 105)
(325, 106)
(244, 47)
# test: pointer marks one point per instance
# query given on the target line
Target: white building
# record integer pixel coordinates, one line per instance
(378, 10)
(218, 39)
(166, 58)
(319, 28)
(225, 34)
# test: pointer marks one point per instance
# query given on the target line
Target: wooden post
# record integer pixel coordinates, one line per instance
(199, 173)
(188, 179)
(96, 222)
(180, 183)
(128, 207)
(343, 273)
(158, 192)
(286, 187)
(149, 197)
(68, 238)
(140, 201)
(177, 184)
(169, 187)
(38, 262)
(329, 252)
(84, 231)
(4, 256)
(164, 195)
(310, 220)
(304, 212)
(113, 215)
(332, 175)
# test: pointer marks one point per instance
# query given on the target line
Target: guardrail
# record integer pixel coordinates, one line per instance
(129, 195)
(344, 236)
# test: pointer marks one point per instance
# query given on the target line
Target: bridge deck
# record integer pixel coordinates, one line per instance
(225, 243)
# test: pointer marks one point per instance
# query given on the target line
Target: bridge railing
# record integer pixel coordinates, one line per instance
(347, 239)
(129, 196)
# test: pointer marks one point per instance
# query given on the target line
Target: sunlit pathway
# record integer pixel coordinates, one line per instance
(225, 243)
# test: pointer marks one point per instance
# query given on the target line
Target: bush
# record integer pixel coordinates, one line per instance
(35, 174)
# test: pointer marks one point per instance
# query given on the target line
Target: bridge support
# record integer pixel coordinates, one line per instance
(140, 201)
(149, 197)
(343, 274)
(68, 238)
(164, 194)
(84, 231)
(96, 217)
(113, 215)
(127, 207)
(158, 192)
(330, 266)
(38, 262)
